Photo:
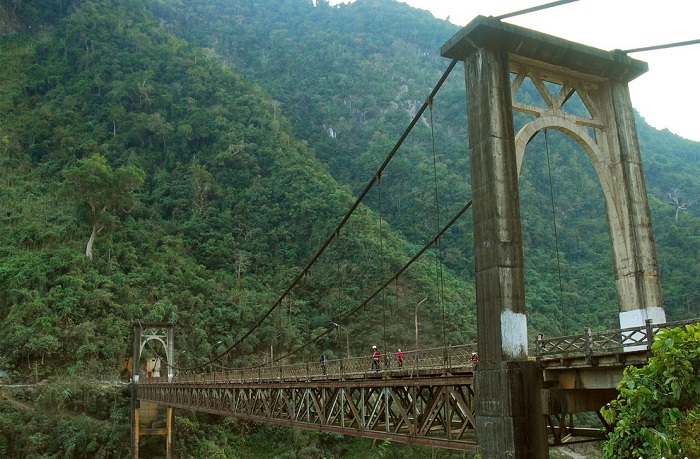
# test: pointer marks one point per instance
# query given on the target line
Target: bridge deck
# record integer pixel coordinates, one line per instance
(429, 400)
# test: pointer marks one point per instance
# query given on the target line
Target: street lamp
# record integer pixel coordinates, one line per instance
(347, 338)
(415, 315)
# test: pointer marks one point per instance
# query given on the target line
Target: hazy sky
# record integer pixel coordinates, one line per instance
(665, 95)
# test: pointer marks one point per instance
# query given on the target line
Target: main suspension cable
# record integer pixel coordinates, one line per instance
(342, 223)
(535, 8)
(666, 46)
(356, 309)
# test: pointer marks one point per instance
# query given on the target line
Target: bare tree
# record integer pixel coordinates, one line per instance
(202, 182)
(677, 198)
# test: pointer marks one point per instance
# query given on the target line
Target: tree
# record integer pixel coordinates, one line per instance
(202, 188)
(658, 404)
(93, 182)
(675, 197)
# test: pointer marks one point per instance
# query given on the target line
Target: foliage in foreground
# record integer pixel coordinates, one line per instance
(658, 406)
(65, 418)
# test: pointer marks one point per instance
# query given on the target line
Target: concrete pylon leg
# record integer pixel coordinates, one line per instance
(634, 254)
(509, 421)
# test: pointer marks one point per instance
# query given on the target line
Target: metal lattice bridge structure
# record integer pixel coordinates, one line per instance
(428, 399)
(511, 404)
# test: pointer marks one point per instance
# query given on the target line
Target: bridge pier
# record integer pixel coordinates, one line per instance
(509, 423)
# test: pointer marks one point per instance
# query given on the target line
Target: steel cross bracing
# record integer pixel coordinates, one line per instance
(427, 400)
(435, 411)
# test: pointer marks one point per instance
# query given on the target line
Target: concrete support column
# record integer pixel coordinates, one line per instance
(169, 433)
(509, 421)
(170, 354)
(137, 354)
(135, 434)
(637, 278)
(498, 252)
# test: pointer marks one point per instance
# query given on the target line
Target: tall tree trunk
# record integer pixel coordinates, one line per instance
(91, 241)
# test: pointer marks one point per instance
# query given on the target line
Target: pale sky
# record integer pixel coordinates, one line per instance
(665, 96)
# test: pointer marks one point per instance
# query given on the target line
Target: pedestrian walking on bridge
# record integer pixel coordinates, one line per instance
(375, 358)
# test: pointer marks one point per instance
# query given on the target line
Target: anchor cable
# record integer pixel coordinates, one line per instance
(535, 8)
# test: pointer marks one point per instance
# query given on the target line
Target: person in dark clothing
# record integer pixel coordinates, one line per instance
(323, 364)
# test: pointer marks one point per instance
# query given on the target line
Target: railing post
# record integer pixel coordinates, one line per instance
(538, 348)
(650, 334)
(588, 343)
(446, 364)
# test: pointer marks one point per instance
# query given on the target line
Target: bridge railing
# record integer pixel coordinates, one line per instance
(591, 344)
(441, 359)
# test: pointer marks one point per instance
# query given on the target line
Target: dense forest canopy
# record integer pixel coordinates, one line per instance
(230, 138)
(320, 77)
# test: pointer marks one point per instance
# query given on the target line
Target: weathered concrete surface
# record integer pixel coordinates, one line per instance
(509, 422)
(488, 32)
(637, 272)
(509, 395)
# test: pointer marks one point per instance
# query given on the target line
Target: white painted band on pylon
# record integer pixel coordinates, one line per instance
(513, 334)
(638, 317)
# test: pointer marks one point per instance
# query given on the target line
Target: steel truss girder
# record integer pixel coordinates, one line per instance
(435, 412)
(563, 431)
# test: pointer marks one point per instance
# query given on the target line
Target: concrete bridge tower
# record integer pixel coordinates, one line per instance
(498, 58)
(148, 334)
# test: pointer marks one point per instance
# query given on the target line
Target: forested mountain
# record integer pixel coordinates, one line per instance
(350, 78)
(204, 150)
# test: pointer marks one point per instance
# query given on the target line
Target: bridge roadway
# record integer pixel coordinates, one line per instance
(429, 400)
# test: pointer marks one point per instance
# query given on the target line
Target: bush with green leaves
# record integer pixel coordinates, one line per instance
(656, 412)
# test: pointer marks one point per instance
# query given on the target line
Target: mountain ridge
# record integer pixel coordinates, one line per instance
(248, 168)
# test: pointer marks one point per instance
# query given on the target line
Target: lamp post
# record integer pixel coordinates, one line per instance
(415, 315)
(347, 339)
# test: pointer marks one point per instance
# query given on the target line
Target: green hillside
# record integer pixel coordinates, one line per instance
(184, 161)
(349, 78)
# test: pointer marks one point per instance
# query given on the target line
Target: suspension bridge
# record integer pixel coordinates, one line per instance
(507, 403)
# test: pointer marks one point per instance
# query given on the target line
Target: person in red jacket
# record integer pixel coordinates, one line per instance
(399, 357)
(375, 358)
